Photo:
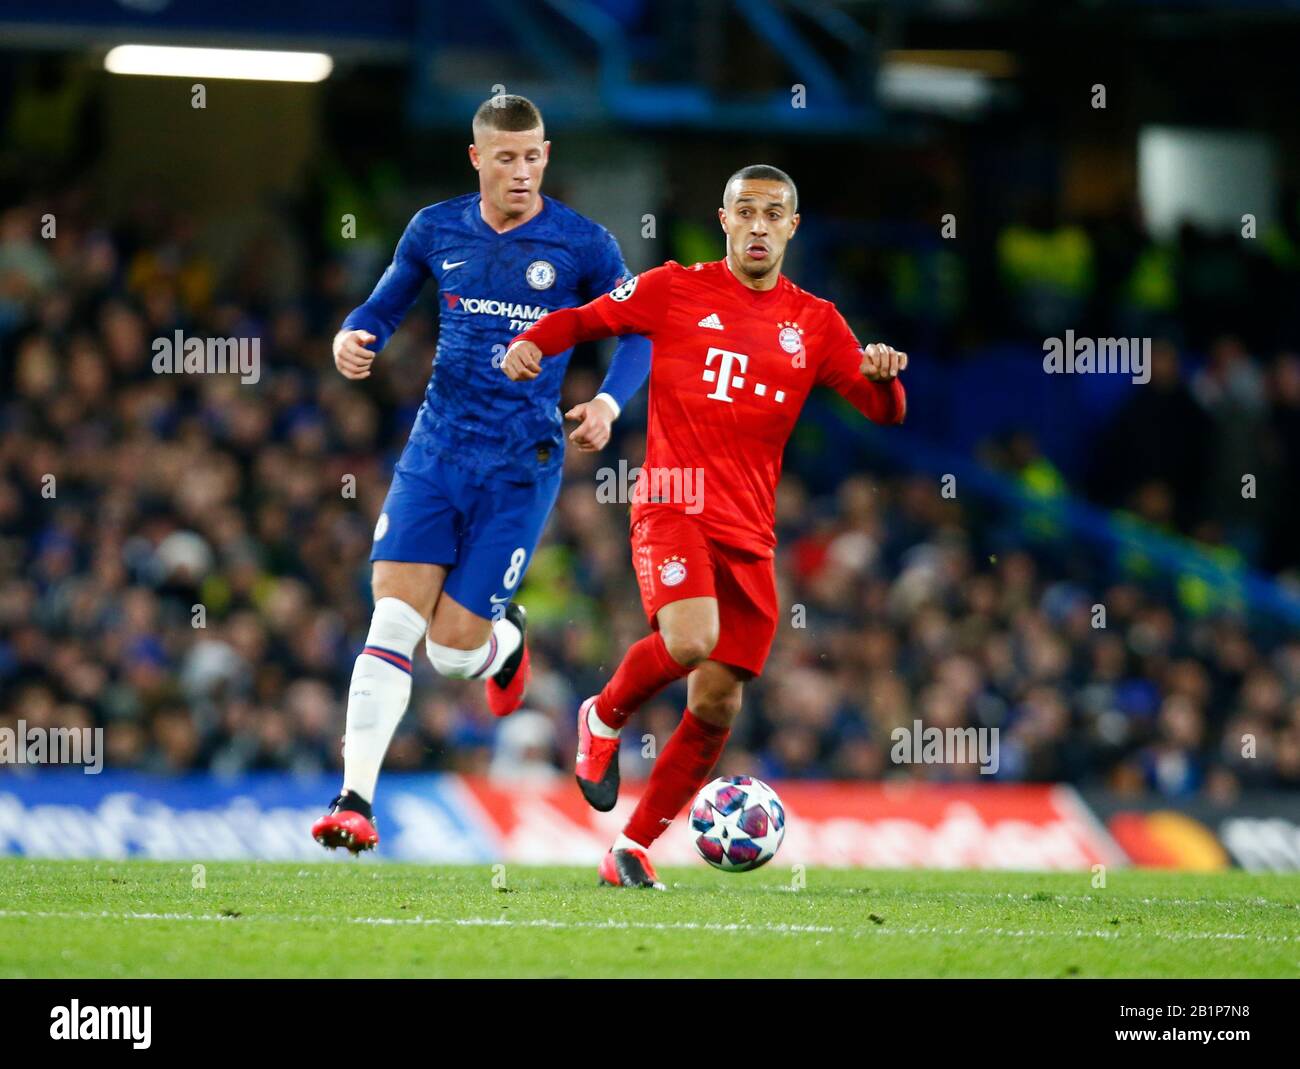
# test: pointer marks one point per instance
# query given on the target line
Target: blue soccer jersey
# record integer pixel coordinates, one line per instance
(491, 288)
(482, 467)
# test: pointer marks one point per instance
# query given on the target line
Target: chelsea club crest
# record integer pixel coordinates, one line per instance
(540, 275)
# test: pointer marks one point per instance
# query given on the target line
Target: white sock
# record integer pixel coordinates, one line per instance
(379, 692)
(598, 727)
(482, 663)
(508, 639)
(624, 843)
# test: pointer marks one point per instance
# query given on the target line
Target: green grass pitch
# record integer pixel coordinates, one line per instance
(146, 919)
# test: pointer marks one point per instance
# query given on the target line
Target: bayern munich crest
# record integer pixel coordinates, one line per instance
(790, 337)
(672, 571)
(540, 275)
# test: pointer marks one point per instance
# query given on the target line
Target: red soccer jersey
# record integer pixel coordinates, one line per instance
(730, 371)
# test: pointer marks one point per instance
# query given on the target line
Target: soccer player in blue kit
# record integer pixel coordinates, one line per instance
(481, 469)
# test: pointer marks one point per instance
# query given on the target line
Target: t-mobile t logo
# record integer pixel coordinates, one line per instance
(723, 375)
(725, 379)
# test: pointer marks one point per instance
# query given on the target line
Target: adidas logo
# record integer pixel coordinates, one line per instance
(711, 321)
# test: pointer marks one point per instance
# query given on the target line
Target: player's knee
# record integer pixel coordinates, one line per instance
(452, 662)
(691, 647)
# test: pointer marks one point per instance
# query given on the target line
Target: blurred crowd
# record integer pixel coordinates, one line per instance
(1026, 271)
(1179, 451)
(185, 563)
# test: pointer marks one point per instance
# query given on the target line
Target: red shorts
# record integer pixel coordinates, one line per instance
(674, 559)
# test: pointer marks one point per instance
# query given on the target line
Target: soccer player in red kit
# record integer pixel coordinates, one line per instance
(736, 348)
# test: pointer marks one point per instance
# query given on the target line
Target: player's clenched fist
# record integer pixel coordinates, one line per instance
(523, 361)
(351, 356)
(881, 362)
(595, 419)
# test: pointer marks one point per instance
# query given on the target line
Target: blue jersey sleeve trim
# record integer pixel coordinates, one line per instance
(628, 369)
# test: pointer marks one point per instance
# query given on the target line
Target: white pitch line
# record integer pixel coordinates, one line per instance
(462, 922)
(660, 926)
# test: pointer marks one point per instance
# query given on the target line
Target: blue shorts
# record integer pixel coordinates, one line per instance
(484, 530)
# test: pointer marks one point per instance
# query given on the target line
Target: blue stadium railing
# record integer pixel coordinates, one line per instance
(582, 70)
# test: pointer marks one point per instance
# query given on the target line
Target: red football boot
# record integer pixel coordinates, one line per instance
(505, 690)
(348, 823)
(596, 767)
(628, 868)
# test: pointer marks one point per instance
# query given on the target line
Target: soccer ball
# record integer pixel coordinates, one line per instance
(737, 823)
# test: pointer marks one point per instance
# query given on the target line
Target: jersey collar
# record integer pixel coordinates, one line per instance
(476, 209)
(759, 297)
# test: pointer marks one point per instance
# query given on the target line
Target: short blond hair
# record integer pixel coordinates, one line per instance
(507, 111)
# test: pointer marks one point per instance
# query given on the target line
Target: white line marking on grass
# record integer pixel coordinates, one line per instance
(418, 921)
(659, 926)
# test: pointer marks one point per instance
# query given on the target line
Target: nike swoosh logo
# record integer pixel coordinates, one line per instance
(448, 266)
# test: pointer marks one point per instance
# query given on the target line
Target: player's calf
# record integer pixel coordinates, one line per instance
(713, 693)
(681, 769)
(378, 694)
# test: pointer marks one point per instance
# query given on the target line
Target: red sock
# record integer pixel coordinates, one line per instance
(647, 668)
(682, 768)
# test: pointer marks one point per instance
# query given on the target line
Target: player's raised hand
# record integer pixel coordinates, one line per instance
(596, 418)
(881, 362)
(523, 361)
(351, 356)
